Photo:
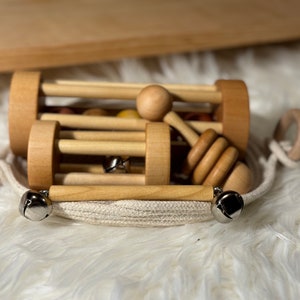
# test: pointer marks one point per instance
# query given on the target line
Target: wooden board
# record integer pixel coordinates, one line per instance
(38, 34)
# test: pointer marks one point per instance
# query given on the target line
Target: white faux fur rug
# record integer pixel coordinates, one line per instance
(256, 257)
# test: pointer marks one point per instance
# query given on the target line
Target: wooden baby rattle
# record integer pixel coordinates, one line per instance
(45, 147)
(154, 103)
(213, 160)
(28, 91)
(226, 206)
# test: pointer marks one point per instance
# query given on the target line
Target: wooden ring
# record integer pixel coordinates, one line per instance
(196, 153)
(290, 117)
(234, 113)
(239, 179)
(219, 172)
(23, 109)
(43, 159)
(158, 152)
(208, 161)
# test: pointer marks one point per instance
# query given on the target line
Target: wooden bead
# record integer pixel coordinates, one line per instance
(23, 109)
(154, 102)
(209, 160)
(239, 179)
(95, 112)
(234, 113)
(128, 113)
(222, 167)
(203, 143)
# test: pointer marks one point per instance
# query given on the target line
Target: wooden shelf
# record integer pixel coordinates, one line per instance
(39, 34)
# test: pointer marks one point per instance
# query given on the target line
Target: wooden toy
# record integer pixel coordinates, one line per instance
(115, 193)
(154, 103)
(46, 145)
(226, 100)
(211, 158)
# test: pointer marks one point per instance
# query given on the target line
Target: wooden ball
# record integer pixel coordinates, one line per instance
(128, 113)
(95, 112)
(154, 102)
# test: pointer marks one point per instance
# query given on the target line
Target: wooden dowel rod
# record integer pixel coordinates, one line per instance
(94, 168)
(126, 136)
(202, 126)
(114, 193)
(95, 122)
(137, 149)
(99, 179)
(103, 92)
(112, 123)
(169, 86)
(77, 167)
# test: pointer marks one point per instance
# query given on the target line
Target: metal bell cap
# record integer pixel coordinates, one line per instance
(227, 206)
(35, 205)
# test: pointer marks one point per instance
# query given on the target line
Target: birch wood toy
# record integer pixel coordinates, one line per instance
(45, 146)
(227, 101)
(211, 158)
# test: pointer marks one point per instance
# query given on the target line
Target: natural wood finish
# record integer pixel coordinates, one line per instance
(222, 167)
(208, 161)
(116, 193)
(158, 154)
(114, 148)
(42, 158)
(23, 109)
(154, 103)
(234, 113)
(99, 179)
(95, 122)
(239, 179)
(196, 153)
(45, 146)
(133, 136)
(37, 34)
(80, 167)
(124, 91)
(288, 118)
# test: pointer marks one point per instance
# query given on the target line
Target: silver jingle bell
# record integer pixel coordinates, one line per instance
(116, 164)
(35, 206)
(227, 206)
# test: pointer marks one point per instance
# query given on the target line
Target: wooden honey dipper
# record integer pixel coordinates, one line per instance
(26, 104)
(44, 148)
(154, 103)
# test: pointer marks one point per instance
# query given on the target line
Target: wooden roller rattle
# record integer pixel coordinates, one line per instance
(45, 147)
(228, 99)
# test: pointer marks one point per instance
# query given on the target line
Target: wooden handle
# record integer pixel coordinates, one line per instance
(125, 91)
(115, 193)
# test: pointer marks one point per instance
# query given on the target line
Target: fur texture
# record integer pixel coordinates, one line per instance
(256, 257)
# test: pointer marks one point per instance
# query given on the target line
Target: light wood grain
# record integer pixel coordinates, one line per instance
(115, 193)
(36, 34)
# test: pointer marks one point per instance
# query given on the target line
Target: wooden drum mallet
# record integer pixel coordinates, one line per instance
(45, 147)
